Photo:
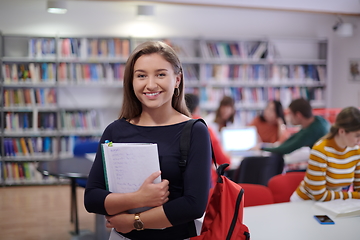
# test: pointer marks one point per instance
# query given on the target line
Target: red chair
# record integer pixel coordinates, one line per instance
(282, 186)
(256, 194)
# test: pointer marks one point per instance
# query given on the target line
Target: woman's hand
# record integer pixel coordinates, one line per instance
(122, 222)
(154, 194)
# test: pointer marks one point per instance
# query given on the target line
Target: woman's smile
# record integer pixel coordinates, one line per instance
(152, 95)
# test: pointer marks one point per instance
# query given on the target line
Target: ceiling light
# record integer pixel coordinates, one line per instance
(57, 7)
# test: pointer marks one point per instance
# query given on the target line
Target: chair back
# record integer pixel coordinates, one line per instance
(81, 148)
(283, 186)
(84, 147)
(255, 194)
(258, 170)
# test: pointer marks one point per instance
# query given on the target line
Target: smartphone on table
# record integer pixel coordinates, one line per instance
(324, 219)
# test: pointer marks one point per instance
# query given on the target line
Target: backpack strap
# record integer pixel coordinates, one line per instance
(184, 149)
(185, 143)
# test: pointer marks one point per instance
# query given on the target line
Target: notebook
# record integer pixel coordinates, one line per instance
(238, 141)
(341, 208)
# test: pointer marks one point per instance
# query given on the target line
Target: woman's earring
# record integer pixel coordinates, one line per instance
(177, 92)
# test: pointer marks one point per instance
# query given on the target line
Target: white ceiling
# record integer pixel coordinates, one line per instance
(346, 7)
(341, 7)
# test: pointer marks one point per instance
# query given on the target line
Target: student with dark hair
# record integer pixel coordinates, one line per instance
(154, 111)
(334, 162)
(224, 115)
(192, 102)
(271, 124)
(312, 128)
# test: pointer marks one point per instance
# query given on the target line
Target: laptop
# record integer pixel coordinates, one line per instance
(239, 141)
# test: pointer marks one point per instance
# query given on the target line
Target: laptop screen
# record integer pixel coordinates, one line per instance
(238, 139)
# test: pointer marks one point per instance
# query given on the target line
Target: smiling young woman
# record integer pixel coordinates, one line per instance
(154, 111)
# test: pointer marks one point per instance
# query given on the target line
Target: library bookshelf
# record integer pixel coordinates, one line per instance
(59, 90)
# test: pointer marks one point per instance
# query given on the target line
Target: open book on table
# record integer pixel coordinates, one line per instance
(341, 208)
(127, 165)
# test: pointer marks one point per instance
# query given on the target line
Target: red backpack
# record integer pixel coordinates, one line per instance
(224, 214)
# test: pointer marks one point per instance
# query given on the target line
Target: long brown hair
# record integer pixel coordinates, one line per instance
(348, 119)
(228, 102)
(131, 106)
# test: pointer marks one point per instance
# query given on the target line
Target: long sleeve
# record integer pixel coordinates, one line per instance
(329, 170)
(95, 191)
(305, 137)
(357, 178)
(298, 140)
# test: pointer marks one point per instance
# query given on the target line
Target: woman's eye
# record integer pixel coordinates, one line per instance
(141, 76)
(161, 74)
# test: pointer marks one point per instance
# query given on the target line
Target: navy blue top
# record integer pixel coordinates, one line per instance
(188, 191)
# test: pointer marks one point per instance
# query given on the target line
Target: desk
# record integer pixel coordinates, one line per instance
(74, 168)
(294, 220)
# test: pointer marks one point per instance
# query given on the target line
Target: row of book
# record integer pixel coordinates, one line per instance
(79, 47)
(293, 71)
(29, 121)
(273, 73)
(29, 73)
(96, 72)
(42, 47)
(39, 148)
(15, 122)
(242, 50)
(191, 72)
(75, 72)
(80, 120)
(30, 147)
(72, 72)
(93, 48)
(22, 97)
(259, 96)
(45, 121)
(23, 173)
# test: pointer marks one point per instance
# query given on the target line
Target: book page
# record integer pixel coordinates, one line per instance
(339, 207)
(127, 165)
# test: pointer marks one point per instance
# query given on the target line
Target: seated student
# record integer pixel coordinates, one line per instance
(271, 124)
(223, 117)
(334, 162)
(192, 102)
(312, 129)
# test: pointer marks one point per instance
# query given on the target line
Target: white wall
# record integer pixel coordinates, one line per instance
(118, 19)
(344, 91)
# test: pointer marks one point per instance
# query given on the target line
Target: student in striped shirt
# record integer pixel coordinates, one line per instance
(334, 162)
